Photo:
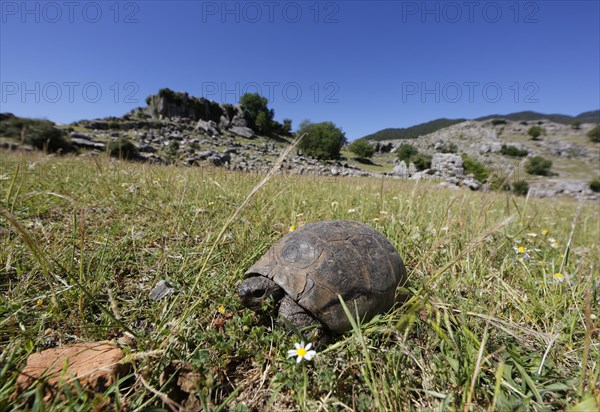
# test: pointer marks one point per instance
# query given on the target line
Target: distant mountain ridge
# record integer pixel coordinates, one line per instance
(586, 117)
(429, 127)
(412, 132)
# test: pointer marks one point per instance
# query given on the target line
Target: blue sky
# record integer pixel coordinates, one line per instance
(363, 65)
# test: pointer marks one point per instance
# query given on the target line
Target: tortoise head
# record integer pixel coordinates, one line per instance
(257, 289)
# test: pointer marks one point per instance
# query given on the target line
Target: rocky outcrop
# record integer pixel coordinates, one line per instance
(447, 164)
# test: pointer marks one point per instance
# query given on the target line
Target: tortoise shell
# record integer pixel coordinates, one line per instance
(321, 260)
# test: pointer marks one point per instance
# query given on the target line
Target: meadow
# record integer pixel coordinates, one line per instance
(503, 314)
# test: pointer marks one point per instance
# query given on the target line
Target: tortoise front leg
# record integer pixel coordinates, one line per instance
(299, 319)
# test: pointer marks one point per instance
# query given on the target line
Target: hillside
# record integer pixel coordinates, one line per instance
(175, 128)
(434, 125)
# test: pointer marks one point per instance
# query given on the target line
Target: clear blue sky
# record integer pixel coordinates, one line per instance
(363, 65)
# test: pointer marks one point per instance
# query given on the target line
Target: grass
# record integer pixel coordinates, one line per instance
(83, 241)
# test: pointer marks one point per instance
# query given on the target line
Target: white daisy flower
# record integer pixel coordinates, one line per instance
(302, 352)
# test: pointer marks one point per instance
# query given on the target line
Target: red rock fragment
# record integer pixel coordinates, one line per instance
(95, 365)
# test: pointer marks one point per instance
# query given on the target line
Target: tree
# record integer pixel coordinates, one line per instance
(594, 134)
(537, 165)
(409, 153)
(321, 140)
(263, 123)
(256, 112)
(535, 132)
(406, 151)
(362, 149)
(287, 125)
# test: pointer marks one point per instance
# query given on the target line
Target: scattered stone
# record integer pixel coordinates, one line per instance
(208, 127)
(87, 143)
(161, 290)
(471, 183)
(242, 131)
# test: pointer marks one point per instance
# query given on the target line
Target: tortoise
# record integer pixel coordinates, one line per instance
(306, 270)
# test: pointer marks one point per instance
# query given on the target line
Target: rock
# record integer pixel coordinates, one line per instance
(205, 154)
(471, 183)
(242, 131)
(87, 143)
(95, 365)
(238, 121)
(447, 164)
(208, 127)
(218, 159)
(491, 147)
(401, 170)
(412, 169)
(162, 289)
(146, 148)
(75, 135)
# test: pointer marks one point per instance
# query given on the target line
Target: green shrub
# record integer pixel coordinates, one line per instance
(49, 138)
(594, 134)
(477, 169)
(513, 151)
(499, 182)
(41, 134)
(173, 148)
(497, 122)
(406, 151)
(421, 161)
(520, 187)
(321, 140)
(595, 184)
(448, 148)
(123, 149)
(537, 165)
(535, 132)
(362, 149)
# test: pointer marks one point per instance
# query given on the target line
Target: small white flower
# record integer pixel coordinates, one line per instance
(302, 352)
(353, 210)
